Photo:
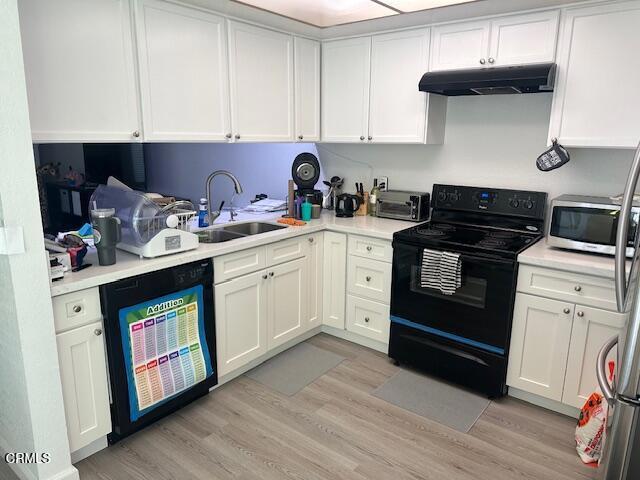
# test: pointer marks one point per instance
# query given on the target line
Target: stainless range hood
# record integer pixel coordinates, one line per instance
(490, 81)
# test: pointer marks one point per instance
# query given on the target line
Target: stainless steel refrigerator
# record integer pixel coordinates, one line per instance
(621, 454)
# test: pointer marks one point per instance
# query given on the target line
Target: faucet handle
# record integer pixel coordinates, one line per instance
(221, 205)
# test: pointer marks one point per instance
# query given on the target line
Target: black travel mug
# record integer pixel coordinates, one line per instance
(106, 234)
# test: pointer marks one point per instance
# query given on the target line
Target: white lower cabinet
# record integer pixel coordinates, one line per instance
(555, 341)
(592, 327)
(83, 367)
(539, 345)
(368, 318)
(334, 281)
(241, 320)
(287, 300)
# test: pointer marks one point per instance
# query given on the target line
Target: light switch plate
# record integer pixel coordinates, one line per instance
(385, 181)
(11, 240)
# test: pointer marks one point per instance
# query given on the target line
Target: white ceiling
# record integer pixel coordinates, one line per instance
(328, 13)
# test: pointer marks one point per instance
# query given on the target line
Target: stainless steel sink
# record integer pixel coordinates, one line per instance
(252, 228)
(217, 235)
(232, 232)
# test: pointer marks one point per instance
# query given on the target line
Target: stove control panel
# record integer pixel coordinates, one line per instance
(498, 201)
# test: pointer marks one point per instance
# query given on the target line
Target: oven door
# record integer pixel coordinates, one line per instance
(588, 227)
(478, 314)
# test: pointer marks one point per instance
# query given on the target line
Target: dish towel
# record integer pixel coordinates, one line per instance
(441, 271)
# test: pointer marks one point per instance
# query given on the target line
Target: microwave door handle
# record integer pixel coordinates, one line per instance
(601, 370)
(623, 232)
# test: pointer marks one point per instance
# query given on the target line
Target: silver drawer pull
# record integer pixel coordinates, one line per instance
(77, 308)
(566, 310)
(369, 248)
(264, 276)
(97, 332)
(577, 288)
(580, 314)
(368, 278)
(310, 239)
(366, 319)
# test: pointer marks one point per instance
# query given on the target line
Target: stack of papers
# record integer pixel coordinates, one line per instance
(266, 205)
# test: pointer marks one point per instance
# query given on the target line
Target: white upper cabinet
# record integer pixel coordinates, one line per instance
(459, 45)
(262, 83)
(345, 90)
(509, 40)
(80, 71)
(398, 110)
(183, 73)
(596, 99)
(307, 85)
(523, 39)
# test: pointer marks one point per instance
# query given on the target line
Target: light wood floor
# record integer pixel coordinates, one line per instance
(334, 429)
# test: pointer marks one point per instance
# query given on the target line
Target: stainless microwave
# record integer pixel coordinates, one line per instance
(588, 224)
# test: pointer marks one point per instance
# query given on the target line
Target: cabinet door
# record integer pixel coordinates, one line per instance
(241, 320)
(397, 109)
(345, 90)
(522, 39)
(460, 45)
(334, 279)
(83, 372)
(287, 302)
(596, 98)
(261, 74)
(307, 94)
(79, 66)
(539, 345)
(592, 327)
(314, 279)
(183, 73)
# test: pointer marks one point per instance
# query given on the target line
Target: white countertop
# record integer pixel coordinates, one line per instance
(128, 265)
(543, 255)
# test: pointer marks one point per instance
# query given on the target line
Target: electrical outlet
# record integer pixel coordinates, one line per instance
(384, 181)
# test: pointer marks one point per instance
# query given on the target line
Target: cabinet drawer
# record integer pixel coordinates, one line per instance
(285, 250)
(76, 309)
(370, 248)
(369, 278)
(367, 318)
(235, 264)
(570, 287)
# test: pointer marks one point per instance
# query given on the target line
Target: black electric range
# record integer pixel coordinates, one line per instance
(464, 336)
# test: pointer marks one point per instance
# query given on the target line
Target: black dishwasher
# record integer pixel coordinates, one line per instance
(161, 348)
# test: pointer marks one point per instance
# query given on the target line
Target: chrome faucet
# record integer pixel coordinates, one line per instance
(236, 184)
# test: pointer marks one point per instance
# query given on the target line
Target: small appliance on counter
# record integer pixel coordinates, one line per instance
(305, 172)
(329, 201)
(147, 229)
(403, 205)
(589, 224)
(347, 205)
(454, 283)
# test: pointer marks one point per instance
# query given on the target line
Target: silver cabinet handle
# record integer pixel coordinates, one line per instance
(622, 232)
(264, 276)
(362, 137)
(577, 288)
(77, 308)
(492, 60)
(97, 332)
(368, 278)
(482, 61)
(369, 248)
(567, 310)
(601, 369)
(136, 133)
(580, 314)
(237, 136)
(366, 319)
(300, 137)
(271, 274)
(310, 239)
(369, 138)
(228, 135)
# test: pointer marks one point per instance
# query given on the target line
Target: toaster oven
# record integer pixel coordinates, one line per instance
(403, 205)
